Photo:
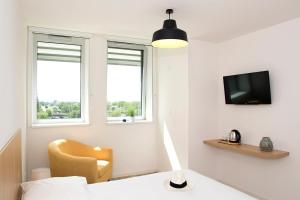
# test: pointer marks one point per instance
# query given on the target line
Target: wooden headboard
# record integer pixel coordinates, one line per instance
(11, 169)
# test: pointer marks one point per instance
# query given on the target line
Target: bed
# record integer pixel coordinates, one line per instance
(148, 187)
(10, 168)
(152, 187)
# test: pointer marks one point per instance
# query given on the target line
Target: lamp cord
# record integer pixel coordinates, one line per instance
(169, 12)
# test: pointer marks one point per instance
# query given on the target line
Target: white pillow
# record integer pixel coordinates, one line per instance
(57, 188)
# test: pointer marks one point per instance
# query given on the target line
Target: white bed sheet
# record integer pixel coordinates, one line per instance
(151, 187)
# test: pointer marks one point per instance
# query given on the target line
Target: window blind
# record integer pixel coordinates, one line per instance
(58, 52)
(121, 56)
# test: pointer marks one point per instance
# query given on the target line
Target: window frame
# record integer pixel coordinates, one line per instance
(144, 81)
(52, 36)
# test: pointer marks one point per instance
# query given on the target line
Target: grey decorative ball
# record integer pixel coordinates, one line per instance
(266, 144)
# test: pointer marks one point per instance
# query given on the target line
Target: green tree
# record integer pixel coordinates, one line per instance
(42, 115)
(74, 114)
(50, 112)
(121, 108)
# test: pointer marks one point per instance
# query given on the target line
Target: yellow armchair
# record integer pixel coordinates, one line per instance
(71, 158)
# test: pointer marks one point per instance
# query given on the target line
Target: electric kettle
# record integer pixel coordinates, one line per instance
(234, 136)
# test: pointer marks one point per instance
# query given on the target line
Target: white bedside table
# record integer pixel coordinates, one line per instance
(40, 173)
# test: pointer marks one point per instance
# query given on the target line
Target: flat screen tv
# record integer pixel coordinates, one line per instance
(250, 88)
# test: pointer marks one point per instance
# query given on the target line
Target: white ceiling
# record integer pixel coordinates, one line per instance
(210, 20)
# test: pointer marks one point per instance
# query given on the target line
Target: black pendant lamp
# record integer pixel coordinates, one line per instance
(169, 36)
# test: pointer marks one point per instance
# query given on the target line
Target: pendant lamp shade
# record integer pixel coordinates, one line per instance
(169, 36)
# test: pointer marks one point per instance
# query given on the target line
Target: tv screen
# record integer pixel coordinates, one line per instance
(251, 88)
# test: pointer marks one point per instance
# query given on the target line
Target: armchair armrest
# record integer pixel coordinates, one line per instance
(102, 153)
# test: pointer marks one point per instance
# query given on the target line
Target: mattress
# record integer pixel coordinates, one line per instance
(152, 187)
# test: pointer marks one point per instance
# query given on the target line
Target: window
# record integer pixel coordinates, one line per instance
(59, 93)
(126, 81)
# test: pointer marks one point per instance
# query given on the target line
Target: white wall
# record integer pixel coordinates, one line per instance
(202, 106)
(11, 70)
(134, 145)
(191, 105)
(275, 49)
(173, 108)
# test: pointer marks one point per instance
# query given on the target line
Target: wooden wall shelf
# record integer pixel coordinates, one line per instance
(247, 149)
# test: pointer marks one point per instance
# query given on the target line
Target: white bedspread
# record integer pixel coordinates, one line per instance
(151, 187)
